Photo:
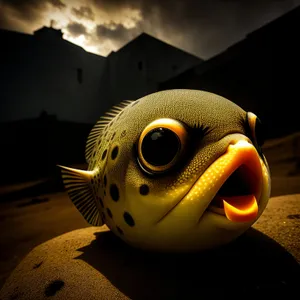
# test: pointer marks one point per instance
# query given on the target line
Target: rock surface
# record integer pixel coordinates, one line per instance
(91, 263)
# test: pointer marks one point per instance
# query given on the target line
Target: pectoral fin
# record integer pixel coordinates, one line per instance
(77, 184)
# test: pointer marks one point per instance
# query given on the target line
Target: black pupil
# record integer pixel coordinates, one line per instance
(160, 146)
(259, 132)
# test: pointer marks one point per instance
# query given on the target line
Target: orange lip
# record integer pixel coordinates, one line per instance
(240, 208)
(243, 160)
(207, 194)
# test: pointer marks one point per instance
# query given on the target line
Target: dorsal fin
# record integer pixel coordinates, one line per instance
(96, 132)
(77, 184)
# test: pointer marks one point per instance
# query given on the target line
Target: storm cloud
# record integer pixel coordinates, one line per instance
(204, 27)
(76, 29)
(116, 32)
(57, 3)
(27, 10)
(83, 12)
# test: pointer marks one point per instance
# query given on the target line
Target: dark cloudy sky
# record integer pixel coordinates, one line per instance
(203, 27)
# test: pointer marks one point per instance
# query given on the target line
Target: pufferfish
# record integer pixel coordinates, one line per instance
(176, 171)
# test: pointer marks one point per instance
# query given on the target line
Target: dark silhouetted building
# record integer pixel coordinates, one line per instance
(260, 73)
(62, 89)
(45, 72)
(53, 91)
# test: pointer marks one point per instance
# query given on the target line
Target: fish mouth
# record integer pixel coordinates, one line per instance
(239, 187)
(231, 186)
(237, 198)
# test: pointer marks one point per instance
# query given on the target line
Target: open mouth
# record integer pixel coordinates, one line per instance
(238, 196)
(230, 187)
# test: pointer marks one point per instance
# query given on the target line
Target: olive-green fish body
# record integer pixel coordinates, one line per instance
(178, 170)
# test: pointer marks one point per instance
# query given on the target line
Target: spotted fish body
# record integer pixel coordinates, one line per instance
(192, 202)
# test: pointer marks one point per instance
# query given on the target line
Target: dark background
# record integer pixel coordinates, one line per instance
(260, 73)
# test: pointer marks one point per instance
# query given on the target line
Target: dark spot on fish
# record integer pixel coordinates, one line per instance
(123, 134)
(113, 136)
(293, 216)
(120, 230)
(114, 192)
(104, 154)
(37, 265)
(109, 213)
(104, 192)
(103, 216)
(105, 134)
(92, 181)
(128, 219)
(144, 189)
(101, 202)
(121, 113)
(54, 287)
(105, 180)
(114, 153)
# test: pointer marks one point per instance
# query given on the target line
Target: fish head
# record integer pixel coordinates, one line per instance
(175, 171)
(181, 170)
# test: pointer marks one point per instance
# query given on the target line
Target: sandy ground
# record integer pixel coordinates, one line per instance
(271, 247)
(25, 224)
(28, 222)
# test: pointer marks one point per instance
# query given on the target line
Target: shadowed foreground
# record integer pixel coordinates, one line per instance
(263, 260)
(92, 263)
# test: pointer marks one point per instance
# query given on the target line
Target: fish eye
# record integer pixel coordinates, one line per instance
(256, 128)
(161, 145)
